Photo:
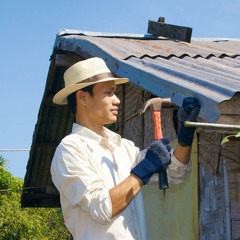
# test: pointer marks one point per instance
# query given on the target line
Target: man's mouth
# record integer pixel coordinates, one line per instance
(115, 111)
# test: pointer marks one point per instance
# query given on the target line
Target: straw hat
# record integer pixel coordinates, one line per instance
(82, 74)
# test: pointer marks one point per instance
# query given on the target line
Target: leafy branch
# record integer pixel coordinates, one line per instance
(226, 139)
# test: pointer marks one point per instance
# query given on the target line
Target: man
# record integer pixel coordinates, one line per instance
(98, 174)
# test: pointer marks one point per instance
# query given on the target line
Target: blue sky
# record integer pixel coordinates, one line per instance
(28, 31)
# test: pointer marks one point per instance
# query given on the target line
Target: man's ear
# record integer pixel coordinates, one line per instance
(81, 97)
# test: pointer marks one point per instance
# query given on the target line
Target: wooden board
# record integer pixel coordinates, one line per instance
(170, 31)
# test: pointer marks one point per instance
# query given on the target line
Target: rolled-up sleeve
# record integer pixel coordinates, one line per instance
(177, 171)
(80, 182)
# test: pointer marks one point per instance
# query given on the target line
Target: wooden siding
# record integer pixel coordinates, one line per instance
(231, 156)
(54, 122)
(140, 128)
(212, 205)
(220, 195)
(219, 178)
(230, 111)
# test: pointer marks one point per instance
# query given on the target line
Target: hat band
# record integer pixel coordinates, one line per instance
(97, 77)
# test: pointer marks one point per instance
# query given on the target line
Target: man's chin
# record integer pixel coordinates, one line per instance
(111, 121)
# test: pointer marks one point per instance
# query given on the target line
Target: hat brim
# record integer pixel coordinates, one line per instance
(60, 97)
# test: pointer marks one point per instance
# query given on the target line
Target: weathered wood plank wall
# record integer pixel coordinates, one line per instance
(140, 128)
(231, 155)
(219, 177)
(212, 204)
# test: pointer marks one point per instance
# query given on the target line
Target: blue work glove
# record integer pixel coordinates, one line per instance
(157, 156)
(188, 112)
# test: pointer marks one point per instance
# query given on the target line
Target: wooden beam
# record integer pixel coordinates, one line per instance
(46, 145)
(66, 60)
(40, 199)
(169, 31)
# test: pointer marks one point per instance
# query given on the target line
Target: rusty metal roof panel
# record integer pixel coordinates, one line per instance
(229, 46)
(123, 47)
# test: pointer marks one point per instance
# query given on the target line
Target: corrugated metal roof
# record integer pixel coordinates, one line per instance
(208, 70)
(123, 48)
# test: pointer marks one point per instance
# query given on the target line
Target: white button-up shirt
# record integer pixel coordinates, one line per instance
(84, 167)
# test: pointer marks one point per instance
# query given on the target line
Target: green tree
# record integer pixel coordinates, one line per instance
(25, 223)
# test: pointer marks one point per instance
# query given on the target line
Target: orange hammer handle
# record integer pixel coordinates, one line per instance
(163, 181)
(157, 125)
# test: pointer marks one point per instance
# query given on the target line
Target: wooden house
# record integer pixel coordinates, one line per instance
(207, 205)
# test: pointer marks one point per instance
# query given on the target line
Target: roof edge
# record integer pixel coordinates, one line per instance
(220, 39)
(64, 32)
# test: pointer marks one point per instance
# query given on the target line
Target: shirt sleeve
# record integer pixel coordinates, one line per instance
(177, 171)
(80, 182)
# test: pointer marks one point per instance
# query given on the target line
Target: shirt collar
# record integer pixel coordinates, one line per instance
(93, 139)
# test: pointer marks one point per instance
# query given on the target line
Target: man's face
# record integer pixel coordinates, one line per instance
(103, 105)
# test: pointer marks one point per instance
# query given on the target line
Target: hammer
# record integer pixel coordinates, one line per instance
(156, 106)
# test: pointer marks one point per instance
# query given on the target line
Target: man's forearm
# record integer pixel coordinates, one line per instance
(122, 194)
(182, 153)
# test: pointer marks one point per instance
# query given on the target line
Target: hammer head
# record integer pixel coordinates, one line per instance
(155, 104)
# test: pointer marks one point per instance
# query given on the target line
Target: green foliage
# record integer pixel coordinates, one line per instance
(226, 139)
(26, 223)
(6, 178)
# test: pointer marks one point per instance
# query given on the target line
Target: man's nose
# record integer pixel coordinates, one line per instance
(116, 100)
